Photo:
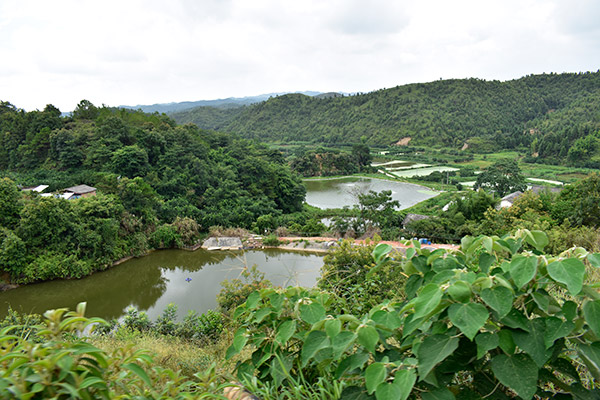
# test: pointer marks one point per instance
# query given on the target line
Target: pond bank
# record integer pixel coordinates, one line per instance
(324, 244)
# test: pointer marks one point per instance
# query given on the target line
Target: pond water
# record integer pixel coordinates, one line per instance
(340, 192)
(150, 283)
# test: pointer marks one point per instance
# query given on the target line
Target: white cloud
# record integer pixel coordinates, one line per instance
(141, 52)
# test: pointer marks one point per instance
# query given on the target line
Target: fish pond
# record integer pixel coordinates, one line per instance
(191, 280)
(340, 192)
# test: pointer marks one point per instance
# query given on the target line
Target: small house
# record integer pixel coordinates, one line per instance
(79, 191)
(508, 200)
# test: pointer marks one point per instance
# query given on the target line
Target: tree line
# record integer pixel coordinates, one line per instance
(545, 115)
(159, 184)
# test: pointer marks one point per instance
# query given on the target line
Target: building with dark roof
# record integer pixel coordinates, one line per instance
(78, 191)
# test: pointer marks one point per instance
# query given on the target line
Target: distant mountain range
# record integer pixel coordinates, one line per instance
(552, 116)
(228, 103)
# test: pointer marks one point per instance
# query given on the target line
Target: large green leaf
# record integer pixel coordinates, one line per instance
(333, 327)
(390, 320)
(404, 380)
(485, 262)
(516, 319)
(519, 372)
(341, 341)
(380, 251)
(506, 341)
(590, 354)
(460, 291)
(556, 328)
(569, 272)
(368, 337)
(356, 360)
(498, 298)
(486, 341)
(428, 299)
(591, 312)
(434, 350)
(537, 239)
(523, 270)
(533, 342)
(469, 318)
(240, 339)
(315, 341)
(374, 375)
(388, 391)
(594, 259)
(311, 313)
(285, 331)
(252, 300)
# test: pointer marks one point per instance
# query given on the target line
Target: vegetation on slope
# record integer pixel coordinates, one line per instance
(486, 115)
(159, 184)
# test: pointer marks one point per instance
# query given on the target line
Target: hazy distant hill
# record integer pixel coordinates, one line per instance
(230, 102)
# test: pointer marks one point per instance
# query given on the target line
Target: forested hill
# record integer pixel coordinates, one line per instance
(215, 178)
(445, 112)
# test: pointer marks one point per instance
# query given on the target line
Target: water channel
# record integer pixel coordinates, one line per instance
(191, 280)
(340, 192)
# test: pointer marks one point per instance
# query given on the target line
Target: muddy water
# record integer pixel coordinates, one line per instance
(191, 280)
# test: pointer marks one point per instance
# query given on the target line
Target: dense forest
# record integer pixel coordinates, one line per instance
(546, 115)
(159, 184)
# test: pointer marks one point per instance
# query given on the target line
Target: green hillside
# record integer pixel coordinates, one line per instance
(487, 115)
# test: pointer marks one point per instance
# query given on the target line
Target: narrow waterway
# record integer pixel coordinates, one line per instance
(191, 280)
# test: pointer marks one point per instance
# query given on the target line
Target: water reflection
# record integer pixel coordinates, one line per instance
(340, 192)
(189, 279)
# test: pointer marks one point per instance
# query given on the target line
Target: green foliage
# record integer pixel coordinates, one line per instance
(10, 203)
(345, 275)
(165, 237)
(555, 109)
(488, 318)
(137, 320)
(271, 240)
(331, 162)
(63, 366)
(502, 177)
(236, 291)
(158, 185)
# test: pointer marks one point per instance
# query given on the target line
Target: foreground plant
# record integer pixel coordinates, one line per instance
(62, 366)
(491, 320)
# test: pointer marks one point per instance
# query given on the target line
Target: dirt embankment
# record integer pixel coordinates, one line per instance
(324, 244)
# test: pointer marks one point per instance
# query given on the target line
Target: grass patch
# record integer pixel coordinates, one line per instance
(188, 356)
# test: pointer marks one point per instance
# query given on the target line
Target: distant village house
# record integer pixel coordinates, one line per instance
(79, 191)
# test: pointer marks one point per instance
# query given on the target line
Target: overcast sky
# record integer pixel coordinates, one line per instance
(155, 51)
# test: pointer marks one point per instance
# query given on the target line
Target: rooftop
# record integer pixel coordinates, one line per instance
(80, 189)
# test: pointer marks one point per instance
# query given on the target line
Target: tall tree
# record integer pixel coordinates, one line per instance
(502, 177)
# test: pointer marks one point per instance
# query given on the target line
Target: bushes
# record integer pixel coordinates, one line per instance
(236, 291)
(489, 319)
(207, 327)
(165, 237)
(72, 368)
(344, 275)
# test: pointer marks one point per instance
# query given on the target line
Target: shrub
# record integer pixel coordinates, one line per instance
(58, 368)
(344, 275)
(165, 236)
(137, 320)
(488, 320)
(271, 240)
(166, 324)
(236, 291)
